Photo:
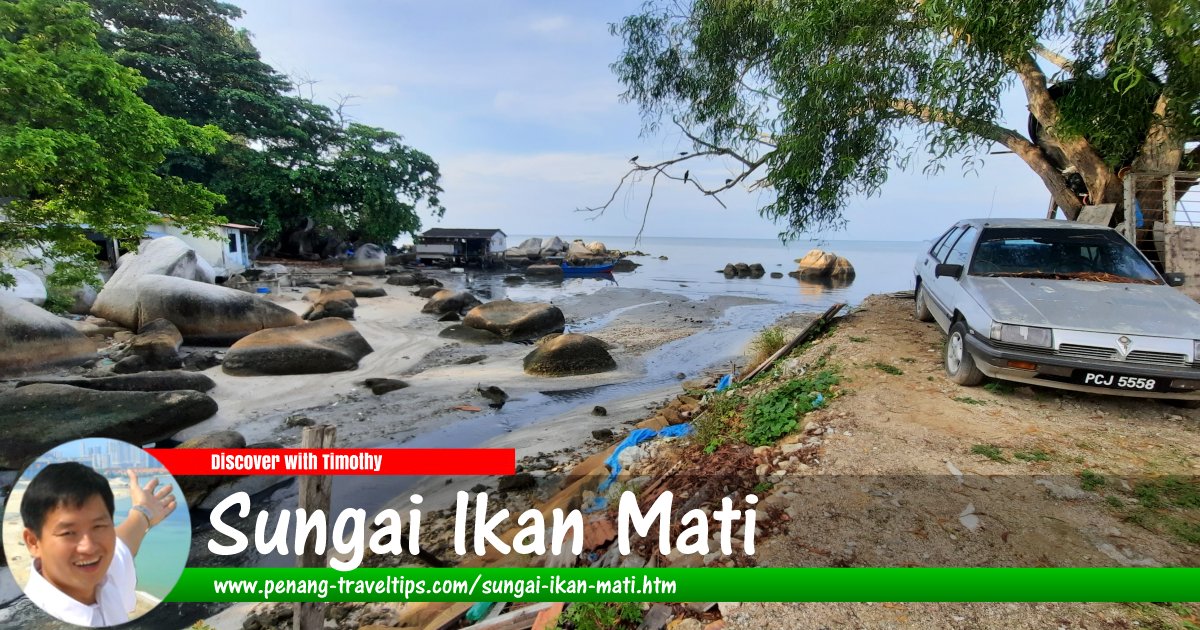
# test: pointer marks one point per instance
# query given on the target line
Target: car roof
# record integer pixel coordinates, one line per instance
(1032, 223)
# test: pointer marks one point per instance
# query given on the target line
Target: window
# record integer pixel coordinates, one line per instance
(233, 242)
(962, 249)
(939, 252)
(942, 239)
(1062, 254)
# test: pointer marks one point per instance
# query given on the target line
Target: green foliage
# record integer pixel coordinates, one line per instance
(859, 339)
(762, 486)
(1170, 490)
(767, 343)
(775, 413)
(1034, 455)
(998, 387)
(990, 451)
(1090, 480)
(601, 615)
(78, 146)
(888, 368)
(827, 96)
(291, 160)
(1167, 505)
(714, 425)
(967, 400)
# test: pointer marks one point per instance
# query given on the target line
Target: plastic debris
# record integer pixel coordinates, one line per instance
(635, 437)
(968, 519)
(479, 611)
(725, 382)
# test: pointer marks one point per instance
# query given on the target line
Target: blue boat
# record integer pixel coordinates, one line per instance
(584, 270)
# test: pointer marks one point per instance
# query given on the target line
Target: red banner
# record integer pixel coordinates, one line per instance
(337, 461)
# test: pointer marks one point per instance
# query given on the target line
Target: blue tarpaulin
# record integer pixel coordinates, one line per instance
(635, 437)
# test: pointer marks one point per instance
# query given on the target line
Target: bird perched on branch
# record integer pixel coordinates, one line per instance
(728, 182)
(683, 153)
(633, 160)
(685, 176)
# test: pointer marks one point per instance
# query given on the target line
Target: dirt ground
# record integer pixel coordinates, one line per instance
(905, 468)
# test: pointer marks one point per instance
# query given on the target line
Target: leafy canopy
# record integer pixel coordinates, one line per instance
(819, 99)
(290, 159)
(79, 147)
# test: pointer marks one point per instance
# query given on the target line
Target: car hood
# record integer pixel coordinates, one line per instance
(1135, 309)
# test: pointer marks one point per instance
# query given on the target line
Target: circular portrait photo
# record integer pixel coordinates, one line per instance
(96, 532)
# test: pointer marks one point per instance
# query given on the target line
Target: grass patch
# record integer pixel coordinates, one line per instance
(762, 486)
(887, 367)
(1114, 501)
(859, 339)
(716, 423)
(967, 400)
(775, 413)
(1090, 480)
(997, 387)
(1035, 455)
(601, 615)
(908, 360)
(1171, 490)
(767, 343)
(990, 451)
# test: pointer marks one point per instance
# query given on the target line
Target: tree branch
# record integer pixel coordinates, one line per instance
(1054, 58)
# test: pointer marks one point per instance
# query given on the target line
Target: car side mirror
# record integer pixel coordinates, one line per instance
(1174, 279)
(944, 269)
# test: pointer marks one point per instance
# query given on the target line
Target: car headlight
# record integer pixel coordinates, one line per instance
(1024, 335)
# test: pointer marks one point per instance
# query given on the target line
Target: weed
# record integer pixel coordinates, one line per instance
(967, 400)
(990, 451)
(601, 615)
(773, 414)
(929, 378)
(859, 339)
(1036, 455)
(1114, 501)
(999, 387)
(887, 367)
(715, 424)
(762, 486)
(1170, 490)
(767, 343)
(908, 360)
(1089, 480)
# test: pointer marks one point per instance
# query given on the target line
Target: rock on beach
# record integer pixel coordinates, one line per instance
(568, 355)
(516, 321)
(166, 256)
(207, 314)
(34, 340)
(328, 345)
(41, 416)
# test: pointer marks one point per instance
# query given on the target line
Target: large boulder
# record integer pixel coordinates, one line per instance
(369, 260)
(450, 301)
(328, 345)
(568, 355)
(157, 343)
(578, 249)
(39, 417)
(553, 246)
(428, 291)
(29, 285)
(821, 264)
(458, 332)
(196, 487)
(34, 340)
(530, 247)
(206, 314)
(549, 271)
(331, 294)
(597, 248)
(516, 321)
(166, 256)
(162, 381)
(625, 265)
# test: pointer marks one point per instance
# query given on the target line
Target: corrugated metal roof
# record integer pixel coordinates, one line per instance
(461, 232)
(239, 226)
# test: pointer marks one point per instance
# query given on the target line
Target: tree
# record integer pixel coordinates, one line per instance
(818, 99)
(291, 159)
(78, 147)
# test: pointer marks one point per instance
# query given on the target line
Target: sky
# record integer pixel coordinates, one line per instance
(516, 102)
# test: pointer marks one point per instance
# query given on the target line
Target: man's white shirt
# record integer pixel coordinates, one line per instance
(115, 597)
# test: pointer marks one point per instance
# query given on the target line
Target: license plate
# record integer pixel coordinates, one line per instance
(1117, 381)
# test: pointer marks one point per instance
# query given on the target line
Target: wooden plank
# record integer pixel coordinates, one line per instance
(518, 619)
(314, 495)
(800, 338)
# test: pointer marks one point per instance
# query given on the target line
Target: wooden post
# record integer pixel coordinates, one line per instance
(314, 495)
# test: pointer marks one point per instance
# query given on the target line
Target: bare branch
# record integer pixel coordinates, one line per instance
(1054, 58)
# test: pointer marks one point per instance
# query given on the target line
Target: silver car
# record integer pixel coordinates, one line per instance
(1059, 304)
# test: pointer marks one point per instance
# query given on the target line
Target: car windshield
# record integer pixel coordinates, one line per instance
(1061, 254)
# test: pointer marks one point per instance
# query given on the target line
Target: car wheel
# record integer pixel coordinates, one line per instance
(960, 365)
(1184, 404)
(921, 310)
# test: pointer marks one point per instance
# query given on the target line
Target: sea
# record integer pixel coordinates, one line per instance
(691, 267)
